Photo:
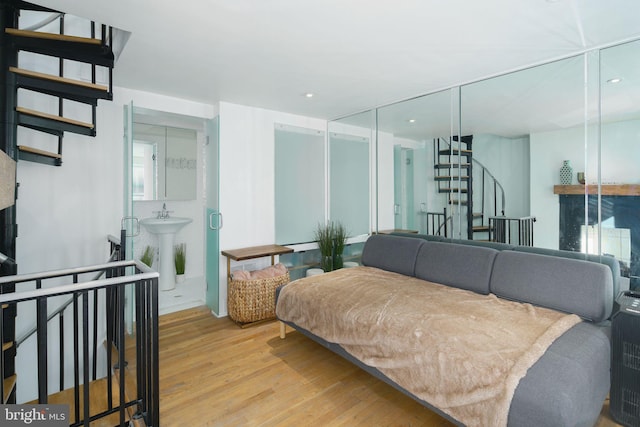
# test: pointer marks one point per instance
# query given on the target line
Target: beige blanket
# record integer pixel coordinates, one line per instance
(462, 352)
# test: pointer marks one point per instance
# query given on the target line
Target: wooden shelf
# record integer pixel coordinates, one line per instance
(253, 252)
(256, 252)
(607, 189)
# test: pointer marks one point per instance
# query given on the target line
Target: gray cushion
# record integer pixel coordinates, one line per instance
(494, 245)
(463, 266)
(567, 385)
(429, 237)
(607, 260)
(391, 253)
(573, 286)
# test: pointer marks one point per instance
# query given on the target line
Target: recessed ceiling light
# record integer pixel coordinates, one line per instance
(615, 80)
(411, 120)
(308, 95)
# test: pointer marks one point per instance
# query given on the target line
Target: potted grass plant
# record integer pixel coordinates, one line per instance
(148, 256)
(324, 237)
(339, 242)
(180, 258)
(331, 238)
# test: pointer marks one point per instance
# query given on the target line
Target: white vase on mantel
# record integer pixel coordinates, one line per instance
(566, 173)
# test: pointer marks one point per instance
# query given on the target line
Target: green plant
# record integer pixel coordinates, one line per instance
(339, 242)
(180, 257)
(324, 237)
(331, 238)
(148, 256)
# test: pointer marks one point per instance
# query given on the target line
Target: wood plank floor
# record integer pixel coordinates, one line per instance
(213, 373)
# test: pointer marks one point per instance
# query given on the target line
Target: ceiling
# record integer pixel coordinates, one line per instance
(352, 55)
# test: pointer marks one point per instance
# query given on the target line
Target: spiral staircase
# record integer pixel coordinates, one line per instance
(90, 55)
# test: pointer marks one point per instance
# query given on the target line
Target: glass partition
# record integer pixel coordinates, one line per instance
(409, 136)
(545, 156)
(524, 126)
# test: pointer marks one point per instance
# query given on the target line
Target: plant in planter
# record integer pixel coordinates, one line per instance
(180, 258)
(148, 256)
(331, 238)
(339, 242)
(324, 237)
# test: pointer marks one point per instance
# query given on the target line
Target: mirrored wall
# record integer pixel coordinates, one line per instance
(547, 156)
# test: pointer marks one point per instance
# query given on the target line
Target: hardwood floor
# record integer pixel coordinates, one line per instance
(213, 373)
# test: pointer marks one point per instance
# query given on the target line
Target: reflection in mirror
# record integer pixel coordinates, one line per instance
(144, 170)
(619, 216)
(164, 156)
(350, 190)
(410, 193)
(523, 125)
(553, 155)
(349, 182)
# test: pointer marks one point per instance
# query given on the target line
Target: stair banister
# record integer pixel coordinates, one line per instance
(145, 282)
(60, 309)
(495, 180)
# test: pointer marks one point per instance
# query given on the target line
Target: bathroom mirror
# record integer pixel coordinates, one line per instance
(164, 156)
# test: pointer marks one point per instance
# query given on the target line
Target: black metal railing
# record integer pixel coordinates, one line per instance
(87, 297)
(515, 231)
(116, 251)
(437, 223)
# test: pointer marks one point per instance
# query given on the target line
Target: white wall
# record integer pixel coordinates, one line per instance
(247, 178)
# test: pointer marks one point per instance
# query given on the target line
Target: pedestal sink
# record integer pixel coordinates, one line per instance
(166, 229)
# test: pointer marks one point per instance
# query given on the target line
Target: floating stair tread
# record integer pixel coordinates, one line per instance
(54, 117)
(453, 190)
(7, 345)
(450, 178)
(52, 36)
(58, 79)
(39, 152)
(9, 384)
(98, 402)
(480, 228)
(451, 165)
(456, 151)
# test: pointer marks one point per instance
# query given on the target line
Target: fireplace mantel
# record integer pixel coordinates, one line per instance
(607, 189)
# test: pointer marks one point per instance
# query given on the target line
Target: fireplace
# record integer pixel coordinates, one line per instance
(620, 218)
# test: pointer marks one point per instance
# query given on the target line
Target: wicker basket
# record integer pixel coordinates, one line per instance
(254, 300)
